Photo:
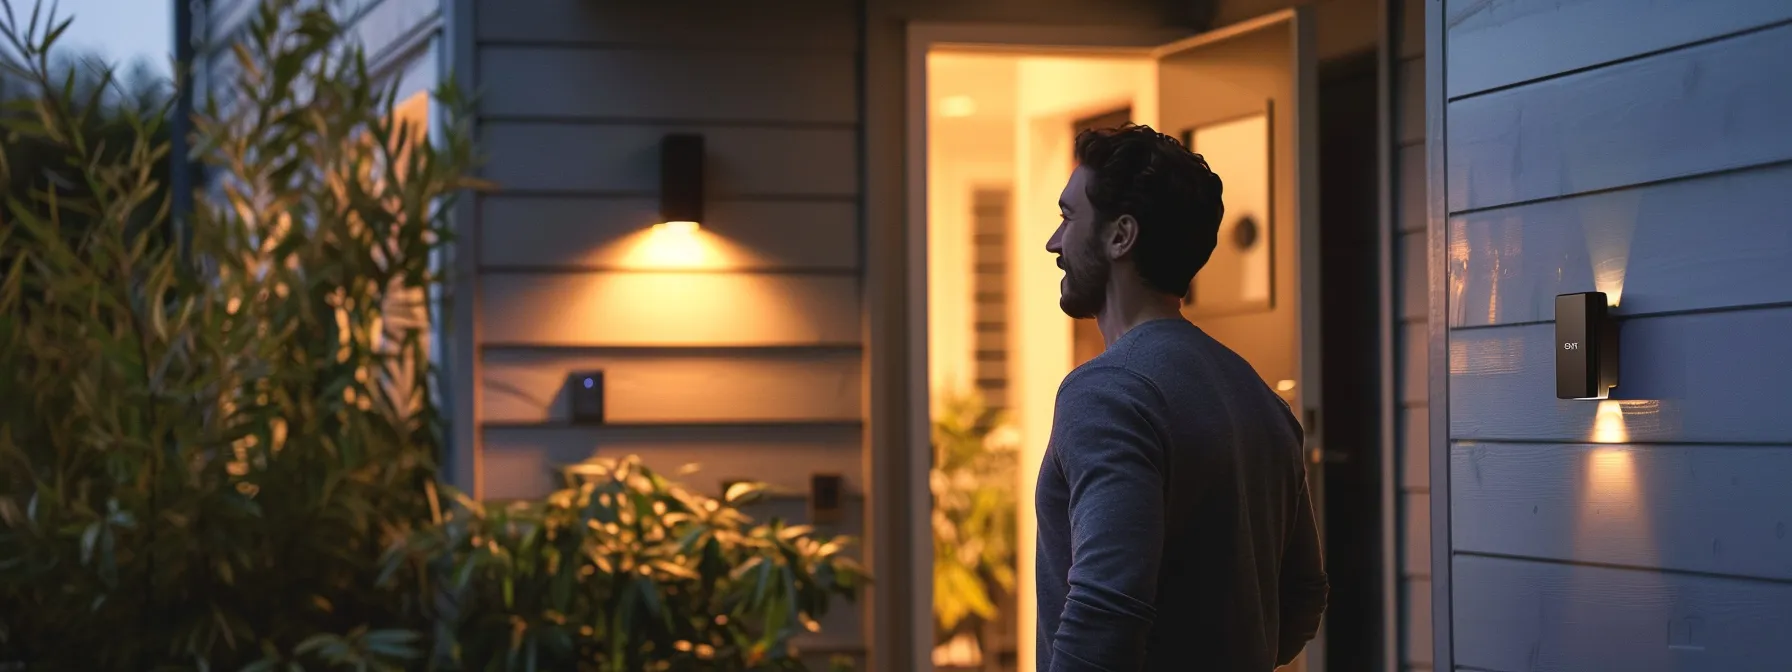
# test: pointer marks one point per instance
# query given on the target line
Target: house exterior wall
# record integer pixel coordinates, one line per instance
(1649, 531)
(788, 352)
(391, 32)
(1411, 435)
(743, 353)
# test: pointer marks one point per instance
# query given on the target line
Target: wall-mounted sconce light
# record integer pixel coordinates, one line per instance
(1586, 347)
(681, 181)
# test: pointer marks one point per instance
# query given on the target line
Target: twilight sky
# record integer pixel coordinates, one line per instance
(119, 30)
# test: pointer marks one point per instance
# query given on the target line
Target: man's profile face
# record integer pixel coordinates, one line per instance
(1080, 249)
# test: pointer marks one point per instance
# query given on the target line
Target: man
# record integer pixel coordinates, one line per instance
(1175, 527)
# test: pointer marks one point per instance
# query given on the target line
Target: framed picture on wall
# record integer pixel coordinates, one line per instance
(1240, 276)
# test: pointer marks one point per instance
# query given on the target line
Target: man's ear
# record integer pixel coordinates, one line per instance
(1123, 235)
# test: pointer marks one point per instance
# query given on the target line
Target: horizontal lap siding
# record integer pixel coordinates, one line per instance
(1411, 301)
(744, 161)
(673, 25)
(1691, 508)
(1650, 531)
(606, 233)
(377, 25)
(742, 354)
(1705, 377)
(1582, 34)
(678, 384)
(1664, 245)
(389, 33)
(609, 308)
(770, 86)
(1706, 108)
(1526, 615)
(520, 457)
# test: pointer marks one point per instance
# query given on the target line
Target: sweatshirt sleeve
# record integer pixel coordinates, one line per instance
(1109, 454)
(1305, 586)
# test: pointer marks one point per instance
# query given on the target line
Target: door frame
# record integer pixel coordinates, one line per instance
(925, 36)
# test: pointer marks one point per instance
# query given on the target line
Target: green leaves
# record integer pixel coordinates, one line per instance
(362, 650)
(637, 573)
(209, 463)
(974, 480)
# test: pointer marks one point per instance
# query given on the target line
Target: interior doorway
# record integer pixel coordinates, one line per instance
(1000, 137)
(994, 119)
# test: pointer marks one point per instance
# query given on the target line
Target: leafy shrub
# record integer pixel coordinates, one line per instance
(224, 457)
(626, 570)
(205, 462)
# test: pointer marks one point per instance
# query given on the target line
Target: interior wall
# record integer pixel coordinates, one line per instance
(1035, 100)
(1054, 92)
(967, 148)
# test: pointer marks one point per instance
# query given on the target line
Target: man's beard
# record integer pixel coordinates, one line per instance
(1085, 282)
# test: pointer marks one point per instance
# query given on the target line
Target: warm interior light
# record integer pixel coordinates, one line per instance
(958, 106)
(1021, 142)
(1284, 385)
(677, 227)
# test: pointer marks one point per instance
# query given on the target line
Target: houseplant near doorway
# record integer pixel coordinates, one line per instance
(974, 480)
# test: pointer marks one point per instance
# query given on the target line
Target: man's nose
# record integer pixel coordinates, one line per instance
(1055, 244)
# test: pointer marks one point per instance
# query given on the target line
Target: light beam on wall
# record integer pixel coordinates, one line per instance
(674, 245)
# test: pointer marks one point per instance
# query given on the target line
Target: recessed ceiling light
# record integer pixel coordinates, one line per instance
(957, 106)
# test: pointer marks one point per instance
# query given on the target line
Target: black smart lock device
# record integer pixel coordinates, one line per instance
(1586, 347)
(586, 397)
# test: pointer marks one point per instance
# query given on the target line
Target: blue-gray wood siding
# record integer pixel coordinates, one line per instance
(384, 29)
(1640, 149)
(751, 366)
(1412, 426)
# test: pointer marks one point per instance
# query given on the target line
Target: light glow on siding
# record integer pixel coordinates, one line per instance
(1608, 424)
(681, 246)
(1608, 232)
(1615, 420)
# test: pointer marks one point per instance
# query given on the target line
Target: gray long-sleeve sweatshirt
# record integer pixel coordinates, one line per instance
(1175, 527)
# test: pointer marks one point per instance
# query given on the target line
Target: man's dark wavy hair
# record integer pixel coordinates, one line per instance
(1170, 190)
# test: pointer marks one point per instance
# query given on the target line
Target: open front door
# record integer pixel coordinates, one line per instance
(1245, 97)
